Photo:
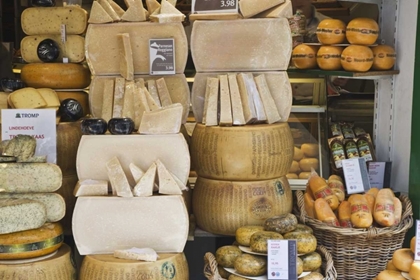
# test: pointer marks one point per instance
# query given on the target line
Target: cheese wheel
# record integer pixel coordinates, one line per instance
(329, 57)
(306, 164)
(31, 243)
(310, 149)
(304, 175)
(361, 217)
(66, 191)
(304, 56)
(298, 154)
(102, 267)
(362, 31)
(384, 211)
(226, 255)
(295, 167)
(292, 176)
(402, 259)
(221, 207)
(218, 152)
(68, 139)
(243, 234)
(331, 31)
(383, 57)
(390, 275)
(415, 271)
(344, 214)
(324, 212)
(58, 266)
(55, 75)
(391, 266)
(357, 58)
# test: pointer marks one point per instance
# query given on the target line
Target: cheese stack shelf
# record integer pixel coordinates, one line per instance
(242, 146)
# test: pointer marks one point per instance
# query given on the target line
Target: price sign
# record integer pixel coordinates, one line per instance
(214, 6)
(356, 175)
(162, 56)
(281, 260)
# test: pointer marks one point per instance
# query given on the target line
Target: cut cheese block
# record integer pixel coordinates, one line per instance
(267, 99)
(27, 98)
(21, 146)
(221, 207)
(151, 87)
(250, 8)
(141, 106)
(225, 104)
(162, 121)
(29, 177)
(142, 150)
(100, 38)
(163, 92)
(110, 11)
(254, 44)
(73, 48)
(128, 101)
(98, 14)
(238, 117)
(50, 97)
(167, 183)
(119, 89)
(135, 12)
(164, 18)
(254, 152)
(107, 100)
(117, 178)
(210, 112)
(56, 266)
(214, 16)
(126, 57)
(53, 202)
(146, 183)
(283, 10)
(126, 221)
(139, 254)
(21, 214)
(167, 266)
(177, 87)
(31, 243)
(91, 188)
(55, 75)
(278, 84)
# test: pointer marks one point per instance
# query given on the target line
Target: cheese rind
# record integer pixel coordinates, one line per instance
(139, 254)
(117, 178)
(91, 188)
(166, 120)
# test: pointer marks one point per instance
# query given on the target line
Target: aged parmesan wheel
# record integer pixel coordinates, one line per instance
(102, 267)
(329, 57)
(331, 31)
(59, 266)
(246, 153)
(383, 57)
(68, 138)
(304, 56)
(221, 207)
(357, 58)
(55, 75)
(362, 31)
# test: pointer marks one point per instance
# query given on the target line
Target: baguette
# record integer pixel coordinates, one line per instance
(361, 217)
(320, 189)
(384, 208)
(324, 213)
(344, 214)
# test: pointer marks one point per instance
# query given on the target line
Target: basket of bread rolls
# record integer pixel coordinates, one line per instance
(361, 230)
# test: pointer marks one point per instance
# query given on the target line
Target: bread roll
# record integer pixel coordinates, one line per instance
(361, 217)
(384, 208)
(324, 212)
(344, 214)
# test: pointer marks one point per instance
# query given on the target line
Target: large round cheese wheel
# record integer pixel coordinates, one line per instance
(384, 57)
(103, 267)
(362, 31)
(402, 259)
(31, 243)
(55, 75)
(329, 57)
(59, 266)
(68, 138)
(357, 58)
(415, 271)
(242, 153)
(331, 31)
(221, 207)
(304, 56)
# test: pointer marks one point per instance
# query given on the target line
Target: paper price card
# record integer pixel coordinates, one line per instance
(281, 260)
(417, 245)
(356, 175)
(214, 6)
(162, 56)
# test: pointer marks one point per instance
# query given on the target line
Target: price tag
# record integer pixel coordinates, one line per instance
(214, 6)
(40, 123)
(162, 56)
(356, 175)
(417, 245)
(281, 260)
(379, 174)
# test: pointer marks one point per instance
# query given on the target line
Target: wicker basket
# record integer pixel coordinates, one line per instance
(359, 253)
(211, 272)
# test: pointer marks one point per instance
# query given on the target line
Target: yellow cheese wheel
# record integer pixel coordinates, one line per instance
(390, 275)
(383, 57)
(402, 259)
(221, 207)
(362, 31)
(304, 56)
(413, 244)
(415, 271)
(391, 266)
(306, 164)
(226, 255)
(294, 168)
(356, 58)
(304, 175)
(298, 154)
(331, 31)
(68, 138)
(102, 267)
(251, 152)
(310, 149)
(243, 234)
(329, 57)
(55, 75)
(292, 176)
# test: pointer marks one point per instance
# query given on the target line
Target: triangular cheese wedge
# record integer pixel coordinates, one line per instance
(180, 184)
(98, 14)
(172, 2)
(108, 8)
(155, 12)
(152, 5)
(120, 11)
(152, 103)
(91, 188)
(166, 120)
(140, 104)
(129, 3)
(126, 57)
(139, 82)
(146, 183)
(151, 87)
(168, 9)
(117, 178)
(135, 12)
(167, 183)
(136, 172)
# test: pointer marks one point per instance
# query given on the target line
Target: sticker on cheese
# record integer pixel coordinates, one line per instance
(29, 177)
(117, 178)
(139, 254)
(225, 104)
(73, 48)
(210, 112)
(27, 98)
(128, 101)
(250, 8)
(56, 75)
(135, 12)
(254, 152)
(100, 38)
(331, 31)
(98, 14)
(152, 6)
(254, 44)
(146, 183)
(104, 236)
(282, 10)
(357, 58)
(235, 98)
(278, 84)
(142, 150)
(167, 266)
(107, 100)
(110, 11)
(167, 183)
(21, 214)
(126, 57)
(50, 97)
(119, 89)
(166, 120)
(267, 100)
(31, 243)
(362, 31)
(91, 188)
(221, 207)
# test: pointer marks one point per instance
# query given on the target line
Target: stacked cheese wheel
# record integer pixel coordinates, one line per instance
(359, 56)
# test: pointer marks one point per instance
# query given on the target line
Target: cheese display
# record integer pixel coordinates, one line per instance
(362, 31)
(254, 152)
(100, 38)
(103, 236)
(383, 57)
(249, 8)
(357, 58)
(331, 31)
(255, 44)
(101, 267)
(91, 188)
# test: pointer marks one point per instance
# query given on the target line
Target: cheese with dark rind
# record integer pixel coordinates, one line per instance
(258, 241)
(226, 255)
(243, 234)
(281, 224)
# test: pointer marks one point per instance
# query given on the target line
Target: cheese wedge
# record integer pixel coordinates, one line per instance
(135, 12)
(166, 120)
(172, 2)
(225, 104)
(107, 100)
(168, 8)
(211, 105)
(283, 10)
(250, 8)
(91, 188)
(165, 18)
(27, 98)
(50, 97)
(119, 90)
(128, 101)
(138, 254)
(145, 185)
(152, 103)
(141, 106)
(164, 96)
(248, 105)
(110, 11)
(117, 178)
(252, 89)
(98, 14)
(21, 146)
(152, 5)
(267, 100)
(151, 86)
(140, 83)
(120, 11)
(180, 184)
(167, 183)
(236, 102)
(126, 57)
(137, 173)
